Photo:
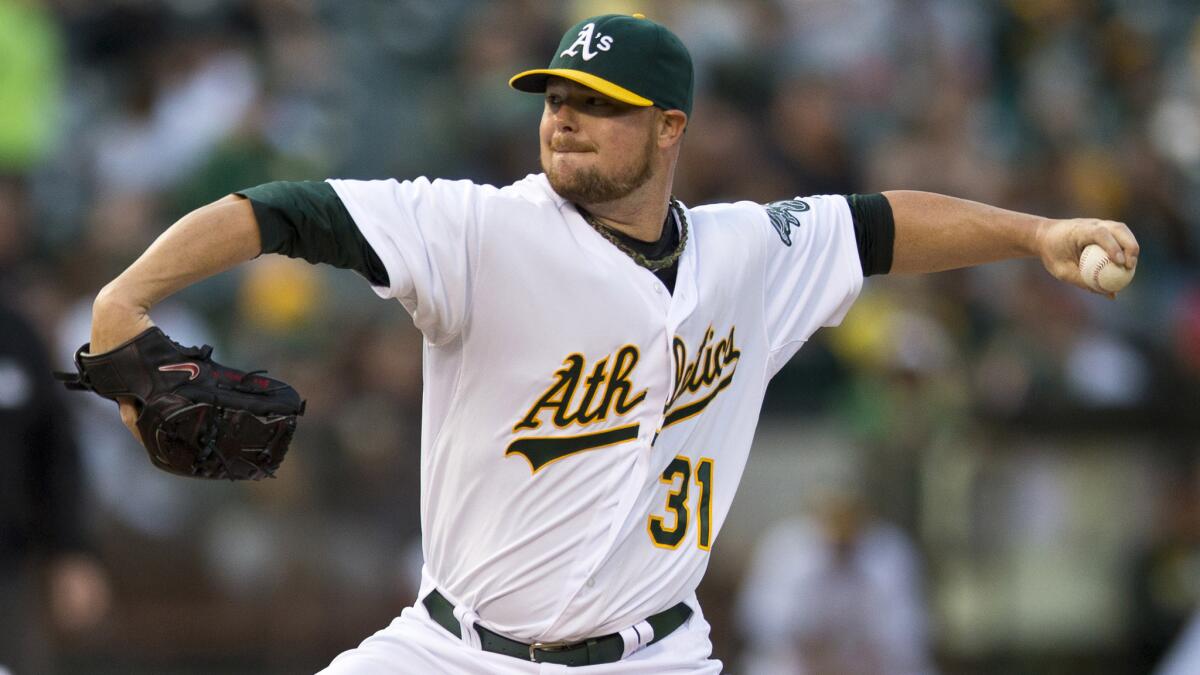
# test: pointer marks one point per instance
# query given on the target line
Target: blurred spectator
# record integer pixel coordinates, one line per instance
(48, 578)
(1164, 583)
(1184, 657)
(836, 593)
(31, 52)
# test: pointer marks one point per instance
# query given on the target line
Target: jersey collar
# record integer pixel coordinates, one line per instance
(684, 300)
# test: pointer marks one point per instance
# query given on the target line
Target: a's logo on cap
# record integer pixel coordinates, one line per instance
(584, 41)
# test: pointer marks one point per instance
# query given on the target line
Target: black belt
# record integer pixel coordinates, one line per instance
(606, 649)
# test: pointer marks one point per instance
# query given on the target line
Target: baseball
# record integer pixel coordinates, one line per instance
(1102, 274)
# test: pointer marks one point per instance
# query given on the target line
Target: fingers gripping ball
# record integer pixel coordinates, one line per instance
(1102, 274)
(196, 417)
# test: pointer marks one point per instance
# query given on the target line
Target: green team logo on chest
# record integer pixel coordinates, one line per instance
(706, 374)
(581, 396)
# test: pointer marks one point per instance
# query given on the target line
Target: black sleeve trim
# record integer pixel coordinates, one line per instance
(306, 219)
(875, 231)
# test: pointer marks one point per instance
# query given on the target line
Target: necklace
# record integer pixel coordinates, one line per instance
(652, 265)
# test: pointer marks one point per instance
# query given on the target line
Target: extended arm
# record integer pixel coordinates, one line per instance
(299, 219)
(935, 232)
(207, 241)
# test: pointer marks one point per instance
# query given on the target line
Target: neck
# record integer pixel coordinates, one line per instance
(640, 214)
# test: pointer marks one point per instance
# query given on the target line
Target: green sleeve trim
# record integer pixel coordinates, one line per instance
(307, 219)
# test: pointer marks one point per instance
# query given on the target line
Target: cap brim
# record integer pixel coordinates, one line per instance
(534, 81)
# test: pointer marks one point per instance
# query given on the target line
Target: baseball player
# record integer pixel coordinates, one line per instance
(595, 352)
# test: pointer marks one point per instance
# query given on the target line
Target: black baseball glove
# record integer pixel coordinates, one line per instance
(196, 417)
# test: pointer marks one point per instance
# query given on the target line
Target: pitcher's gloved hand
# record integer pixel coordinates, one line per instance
(196, 417)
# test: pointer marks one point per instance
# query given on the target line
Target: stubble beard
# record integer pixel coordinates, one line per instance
(589, 186)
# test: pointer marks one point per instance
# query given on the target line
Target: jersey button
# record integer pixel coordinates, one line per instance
(591, 582)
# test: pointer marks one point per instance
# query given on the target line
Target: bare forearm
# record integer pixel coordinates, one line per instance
(205, 242)
(935, 232)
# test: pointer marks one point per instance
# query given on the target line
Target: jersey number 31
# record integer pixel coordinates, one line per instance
(671, 537)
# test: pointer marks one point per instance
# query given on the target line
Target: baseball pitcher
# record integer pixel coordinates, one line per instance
(595, 353)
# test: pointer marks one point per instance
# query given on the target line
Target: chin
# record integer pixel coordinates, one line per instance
(564, 174)
(583, 183)
(563, 183)
(572, 162)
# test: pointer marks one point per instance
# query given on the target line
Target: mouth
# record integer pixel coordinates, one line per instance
(564, 146)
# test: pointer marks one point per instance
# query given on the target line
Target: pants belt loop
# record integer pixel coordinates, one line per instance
(636, 636)
(467, 619)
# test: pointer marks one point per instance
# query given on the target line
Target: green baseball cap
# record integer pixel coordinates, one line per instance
(629, 58)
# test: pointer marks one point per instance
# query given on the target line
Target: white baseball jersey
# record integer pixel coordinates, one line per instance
(583, 429)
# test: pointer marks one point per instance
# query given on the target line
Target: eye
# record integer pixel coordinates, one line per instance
(554, 99)
(596, 102)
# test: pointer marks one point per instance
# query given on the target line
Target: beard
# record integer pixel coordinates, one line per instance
(590, 186)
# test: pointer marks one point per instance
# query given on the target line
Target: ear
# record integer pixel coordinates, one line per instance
(671, 124)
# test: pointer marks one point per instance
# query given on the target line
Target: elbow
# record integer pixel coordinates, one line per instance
(114, 297)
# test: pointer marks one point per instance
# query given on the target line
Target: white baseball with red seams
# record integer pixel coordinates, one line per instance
(1101, 273)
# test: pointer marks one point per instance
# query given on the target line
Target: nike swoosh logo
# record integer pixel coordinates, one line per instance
(191, 369)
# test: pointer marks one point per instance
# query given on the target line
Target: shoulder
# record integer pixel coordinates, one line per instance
(729, 214)
(534, 189)
(455, 198)
(527, 201)
(417, 188)
(742, 221)
(783, 214)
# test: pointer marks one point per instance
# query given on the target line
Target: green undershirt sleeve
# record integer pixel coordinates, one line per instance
(874, 230)
(306, 219)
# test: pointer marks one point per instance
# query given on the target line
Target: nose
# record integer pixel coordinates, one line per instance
(564, 119)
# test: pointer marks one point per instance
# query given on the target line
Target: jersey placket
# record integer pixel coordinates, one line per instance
(672, 308)
(680, 306)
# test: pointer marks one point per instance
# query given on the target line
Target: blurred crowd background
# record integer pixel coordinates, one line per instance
(978, 472)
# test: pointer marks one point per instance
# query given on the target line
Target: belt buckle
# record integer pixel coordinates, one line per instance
(548, 647)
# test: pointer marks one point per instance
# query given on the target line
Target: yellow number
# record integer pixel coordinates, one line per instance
(670, 537)
(704, 476)
(677, 503)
